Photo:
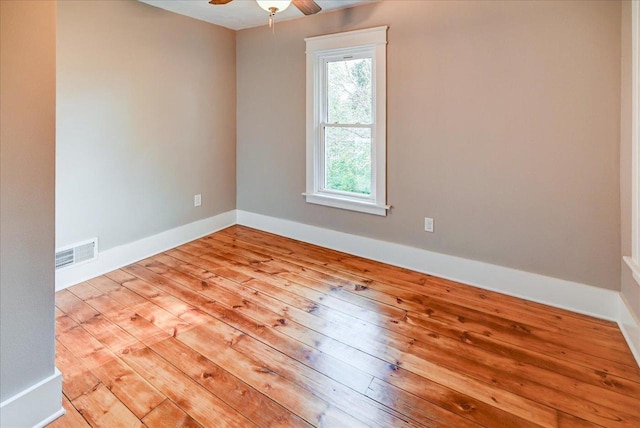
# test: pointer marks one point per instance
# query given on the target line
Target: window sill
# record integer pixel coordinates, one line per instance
(346, 204)
(635, 268)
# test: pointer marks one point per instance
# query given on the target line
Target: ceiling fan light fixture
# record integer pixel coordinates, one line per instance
(274, 6)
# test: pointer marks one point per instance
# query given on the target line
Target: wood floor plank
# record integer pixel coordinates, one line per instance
(71, 419)
(462, 404)
(69, 303)
(85, 291)
(128, 386)
(258, 408)
(168, 414)
(568, 421)
(422, 410)
(246, 328)
(76, 378)
(102, 409)
(202, 405)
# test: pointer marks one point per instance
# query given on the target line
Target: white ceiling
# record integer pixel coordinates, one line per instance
(241, 14)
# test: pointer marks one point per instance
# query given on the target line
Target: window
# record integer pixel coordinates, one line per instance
(346, 120)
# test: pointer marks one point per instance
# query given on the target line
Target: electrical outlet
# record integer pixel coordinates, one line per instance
(428, 224)
(197, 200)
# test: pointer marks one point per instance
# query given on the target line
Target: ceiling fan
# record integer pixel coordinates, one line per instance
(308, 7)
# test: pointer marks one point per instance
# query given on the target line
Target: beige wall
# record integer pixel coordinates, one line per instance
(630, 289)
(146, 120)
(503, 125)
(27, 145)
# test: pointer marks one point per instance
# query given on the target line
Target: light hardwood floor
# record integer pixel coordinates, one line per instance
(244, 328)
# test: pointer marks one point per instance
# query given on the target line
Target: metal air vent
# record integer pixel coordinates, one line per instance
(75, 254)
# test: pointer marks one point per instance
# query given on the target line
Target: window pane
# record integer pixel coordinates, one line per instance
(349, 95)
(348, 159)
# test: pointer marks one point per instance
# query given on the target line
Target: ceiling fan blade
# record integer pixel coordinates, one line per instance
(308, 7)
(215, 2)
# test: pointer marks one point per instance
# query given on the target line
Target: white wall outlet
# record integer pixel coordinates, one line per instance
(197, 200)
(428, 224)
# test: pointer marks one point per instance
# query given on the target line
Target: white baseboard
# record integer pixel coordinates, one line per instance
(36, 406)
(630, 327)
(576, 297)
(115, 258)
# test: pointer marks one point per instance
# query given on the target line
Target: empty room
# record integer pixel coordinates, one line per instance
(359, 213)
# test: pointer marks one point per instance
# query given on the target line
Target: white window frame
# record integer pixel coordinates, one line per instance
(371, 42)
(634, 260)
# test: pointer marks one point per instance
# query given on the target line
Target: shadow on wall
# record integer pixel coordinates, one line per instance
(348, 18)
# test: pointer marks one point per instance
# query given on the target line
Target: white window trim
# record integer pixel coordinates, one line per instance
(634, 260)
(375, 38)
